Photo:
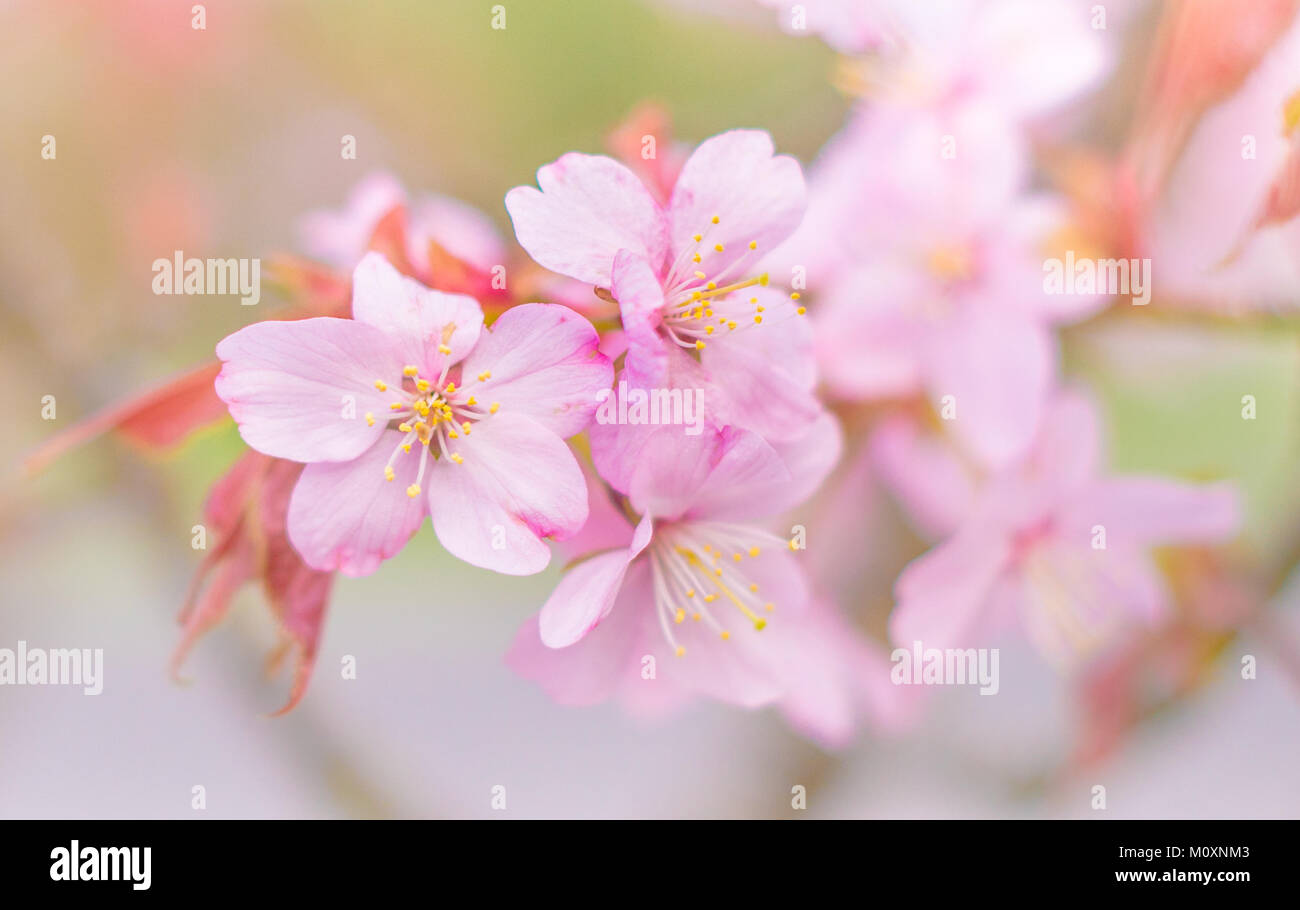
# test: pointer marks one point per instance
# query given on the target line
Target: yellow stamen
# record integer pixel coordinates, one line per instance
(370, 419)
(410, 371)
(414, 489)
(381, 385)
(388, 472)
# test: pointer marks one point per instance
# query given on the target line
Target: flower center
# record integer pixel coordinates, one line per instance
(699, 566)
(433, 413)
(697, 304)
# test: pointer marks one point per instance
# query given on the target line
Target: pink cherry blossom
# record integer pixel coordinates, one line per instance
(685, 274)
(926, 271)
(414, 408)
(719, 603)
(341, 237)
(1225, 233)
(1058, 546)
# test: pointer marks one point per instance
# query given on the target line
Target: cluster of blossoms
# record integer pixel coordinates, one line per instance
(883, 315)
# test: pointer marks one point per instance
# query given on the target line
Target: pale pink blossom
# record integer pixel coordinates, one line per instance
(926, 272)
(1225, 232)
(713, 603)
(1057, 546)
(413, 408)
(342, 236)
(692, 300)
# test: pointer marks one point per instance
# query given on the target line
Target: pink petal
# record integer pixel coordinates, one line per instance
(544, 363)
(1155, 511)
(346, 517)
(601, 664)
(589, 207)
(1000, 369)
(763, 371)
(942, 596)
(868, 335)
(418, 318)
(640, 301)
(924, 472)
(756, 196)
(517, 484)
(587, 592)
(301, 390)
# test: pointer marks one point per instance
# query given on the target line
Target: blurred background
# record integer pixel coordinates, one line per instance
(216, 142)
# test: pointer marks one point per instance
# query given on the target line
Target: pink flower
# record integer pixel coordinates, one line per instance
(412, 407)
(341, 237)
(684, 274)
(1225, 232)
(1057, 545)
(690, 591)
(926, 272)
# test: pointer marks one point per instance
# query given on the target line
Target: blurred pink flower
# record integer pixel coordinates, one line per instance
(1225, 232)
(678, 272)
(324, 391)
(341, 237)
(1056, 544)
(927, 271)
(659, 598)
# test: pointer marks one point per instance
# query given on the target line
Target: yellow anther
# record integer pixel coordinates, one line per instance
(753, 588)
(794, 296)
(410, 371)
(710, 598)
(726, 636)
(763, 279)
(769, 607)
(708, 314)
(455, 456)
(758, 320)
(465, 426)
(680, 616)
(695, 617)
(753, 551)
(697, 237)
(406, 447)
(690, 593)
(696, 258)
(699, 345)
(753, 244)
(736, 556)
(388, 472)
(444, 350)
(760, 624)
(454, 435)
(717, 248)
(404, 427)
(381, 385)
(701, 275)
(395, 406)
(423, 385)
(414, 489)
(711, 286)
(761, 309)
(484, 376)
(715, 219)
(370, 419)
(801, 310)
(708, 330)
(451, 388)
(793, 545)
(731, 324)
(680, 652)
(472, 401)
(496, 406)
